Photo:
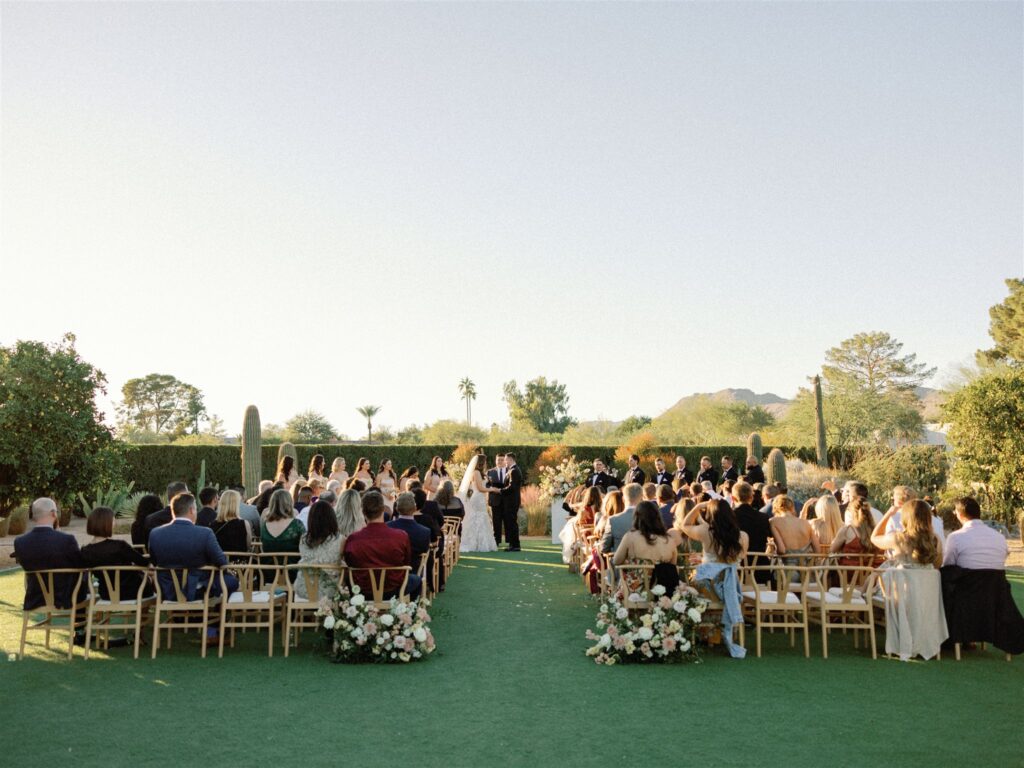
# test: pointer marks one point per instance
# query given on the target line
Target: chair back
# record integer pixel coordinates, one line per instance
(853, 583)
(52, 581)
(314, 576)
(788, 579)
(180, 585)
(109, 578)
(635, 579)
(378, 579)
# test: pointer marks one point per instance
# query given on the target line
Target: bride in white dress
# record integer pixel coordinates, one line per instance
(477, 531)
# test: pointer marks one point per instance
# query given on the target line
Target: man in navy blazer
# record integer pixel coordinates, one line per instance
(405, 520)
(183, 544)
(44, 548)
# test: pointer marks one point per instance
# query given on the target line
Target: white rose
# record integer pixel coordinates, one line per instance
(357, 599)
(387, 619)
(645, 633)
(658, 590)
(694, 614)
(684, 646)
(328, 622)
(621, 613)
(605, 641)
(420, 634)
(679, 606)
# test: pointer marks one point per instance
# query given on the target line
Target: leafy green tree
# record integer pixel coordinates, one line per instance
(161, 404)
(541, 405)
(272, 434)
(923, 467)
(368, 412)
(1006, 328)
(450, 432)
(875, 361)
(53, 441)
(468, 391)
(309, 428)
(986, 431)
(633, 424)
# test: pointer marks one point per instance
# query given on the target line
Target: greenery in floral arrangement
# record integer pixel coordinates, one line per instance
(360, 631)
(664, 631)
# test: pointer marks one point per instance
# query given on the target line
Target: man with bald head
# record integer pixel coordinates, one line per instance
(44, 548)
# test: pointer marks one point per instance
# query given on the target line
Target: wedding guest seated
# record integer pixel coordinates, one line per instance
(589, 507)
(449, 504)
(45, 548)
(316, 487)
(769, 492)
(725, 491)
(792, 535)
(611, 505)
(104, 550)
(420, 536)
(976, 595)
(263, 500)
(619, 525)
(650, 541)
(755, 525)
(854, 538)
(915, 619)
(355, 484)
(901, 494)
(827, 522)
(233, 533)
(377, 546)
(209, 498)
(349, 513)
(758, 500)
(853, 489)
(280, 531)
(666, 501)
(301, 495)
(650, 492)
(713, 524)
(263, 486)
(428, 514)
(163, 516)
(148, 504)
(321, 545)
(181, 544)
(246, 511)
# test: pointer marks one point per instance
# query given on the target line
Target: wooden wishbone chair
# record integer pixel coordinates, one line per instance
(378, 581)
(183, 614)
(300, 613)
(131, 607)
(48, 582)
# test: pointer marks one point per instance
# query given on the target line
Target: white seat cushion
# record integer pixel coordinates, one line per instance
(771, 596)
(831, 599)
(257, 597)
(127, 602)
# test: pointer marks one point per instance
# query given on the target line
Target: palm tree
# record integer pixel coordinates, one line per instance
(368, 412)
(468, 391)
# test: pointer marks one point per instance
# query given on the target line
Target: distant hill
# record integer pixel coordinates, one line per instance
(771, 402)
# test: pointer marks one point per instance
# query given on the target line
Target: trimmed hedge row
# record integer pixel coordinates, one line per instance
(153, 466)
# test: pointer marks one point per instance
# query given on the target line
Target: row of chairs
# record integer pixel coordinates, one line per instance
(265, 597)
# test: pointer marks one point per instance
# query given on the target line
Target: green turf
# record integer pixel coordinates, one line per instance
(509, 685)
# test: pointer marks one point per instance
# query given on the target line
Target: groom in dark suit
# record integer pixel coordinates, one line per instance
(510, 500)
(496, 479)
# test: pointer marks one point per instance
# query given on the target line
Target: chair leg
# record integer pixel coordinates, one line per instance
(807, 637)
(759, 635)
(287, 630)
(156, 634)
(24, 634)
(270, 632)
(871, 632)
(956, 651)
(71, 635)
(138, 632)
(88, 631)
(220, 632)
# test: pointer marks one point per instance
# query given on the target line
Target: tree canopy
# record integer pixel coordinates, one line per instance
(540, 405)
(1006, 328)
(874, 360)
(309, 427)
(162, 405)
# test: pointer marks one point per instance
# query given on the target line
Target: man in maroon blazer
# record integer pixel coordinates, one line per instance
(377, 546)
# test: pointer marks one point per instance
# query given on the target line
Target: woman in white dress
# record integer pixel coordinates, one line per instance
(477, 530)
(338, 471)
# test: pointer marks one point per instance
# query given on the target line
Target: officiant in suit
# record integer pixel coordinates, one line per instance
(599, 478)
(510, 501)
(496, 478)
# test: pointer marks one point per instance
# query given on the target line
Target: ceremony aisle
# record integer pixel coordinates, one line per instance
(509, 685)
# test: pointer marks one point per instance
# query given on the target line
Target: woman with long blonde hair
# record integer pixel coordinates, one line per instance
(338, 471)
(827, 521)
(349, 511)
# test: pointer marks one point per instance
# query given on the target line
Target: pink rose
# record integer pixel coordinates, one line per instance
(669, 644)
(370, 628)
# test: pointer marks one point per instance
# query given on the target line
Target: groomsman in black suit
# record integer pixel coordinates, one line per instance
(600, 478)
(661, 477)
(682, 473)
(707, 472)
(496, 478)
(634, 474)
(510, 501)
(729, 472)
(754, 473)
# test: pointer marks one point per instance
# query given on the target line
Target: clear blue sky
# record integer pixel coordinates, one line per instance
(327, 205)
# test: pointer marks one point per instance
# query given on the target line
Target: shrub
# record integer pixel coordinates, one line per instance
(538, 511)
(17, 521)
(644, 446)
(922, 467)
(552, 456)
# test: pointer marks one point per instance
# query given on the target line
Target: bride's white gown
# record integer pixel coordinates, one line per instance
(477, 532)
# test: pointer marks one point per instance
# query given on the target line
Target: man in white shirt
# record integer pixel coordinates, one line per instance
(853, 488)
(901, 494)
(975, 545)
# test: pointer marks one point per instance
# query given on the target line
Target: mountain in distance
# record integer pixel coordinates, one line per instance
(771, 402)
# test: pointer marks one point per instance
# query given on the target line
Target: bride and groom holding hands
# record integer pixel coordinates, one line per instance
(501, 492)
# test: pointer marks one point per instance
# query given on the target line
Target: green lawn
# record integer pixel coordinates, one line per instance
(509, 685)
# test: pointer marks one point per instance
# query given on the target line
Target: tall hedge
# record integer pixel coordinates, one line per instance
(153, 466)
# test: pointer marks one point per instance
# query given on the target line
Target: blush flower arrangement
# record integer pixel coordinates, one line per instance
(663, 631)
(558, 480)
(360, 631)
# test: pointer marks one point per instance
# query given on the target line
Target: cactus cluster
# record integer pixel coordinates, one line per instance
(775, 467)
(754, 446)
(821, 447)
(252, 451)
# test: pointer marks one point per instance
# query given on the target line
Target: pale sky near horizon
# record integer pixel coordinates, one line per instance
(327, 205)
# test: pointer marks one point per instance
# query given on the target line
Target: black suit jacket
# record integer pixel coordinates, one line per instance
(206, 517)
(510, 492)
(636, 476)
(663, 478)
(601, 480)
(155, 520)
(420, 537)
(755, 524)
(42, 549)
(754, 475)
(731, 474)
(683, 474)
(432, 513)
(708, 474)
(494, 479)
(979, 607)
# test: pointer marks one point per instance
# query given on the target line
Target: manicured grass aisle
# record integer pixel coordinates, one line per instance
(509, 686)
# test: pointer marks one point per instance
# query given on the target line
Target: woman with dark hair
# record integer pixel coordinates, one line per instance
(410, 474)
(713, 524)
(104, 550)
(649, 541)
(148, 504)
(388, 483)
(316, 468)
(263, 500)
(363, 473)
(436, 475)
(286, 472)
(589, 506)
(321, 545)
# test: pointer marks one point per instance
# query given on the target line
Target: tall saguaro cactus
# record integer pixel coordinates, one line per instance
(819, 424)
(775, 467)
(252, 451)
(287, 449)
(754, 446)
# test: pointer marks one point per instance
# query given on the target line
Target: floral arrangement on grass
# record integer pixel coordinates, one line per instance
(359, 630)
(666, 631)
(563, 477)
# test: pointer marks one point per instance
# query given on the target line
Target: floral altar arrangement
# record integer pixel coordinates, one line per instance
(665, 631)
(359, 630)
(560, 479)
